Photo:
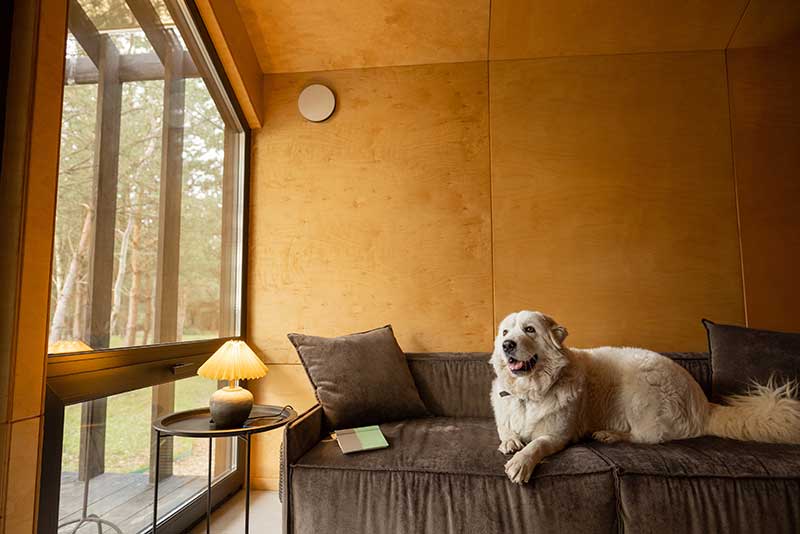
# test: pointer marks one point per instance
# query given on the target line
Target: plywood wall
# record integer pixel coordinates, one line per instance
(614, 205)
(765, 112)
(608, 201)
(379, 215)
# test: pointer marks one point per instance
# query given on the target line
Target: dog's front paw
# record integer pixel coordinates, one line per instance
(520, 468)
(510, 446)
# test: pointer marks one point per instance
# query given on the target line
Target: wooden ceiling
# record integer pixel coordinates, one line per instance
(317, 35)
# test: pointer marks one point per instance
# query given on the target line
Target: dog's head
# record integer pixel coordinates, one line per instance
(528, 349)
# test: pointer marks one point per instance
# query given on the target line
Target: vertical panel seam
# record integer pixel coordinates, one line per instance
(735, 186)
(738, 23)
(491, 178)
(491, 197)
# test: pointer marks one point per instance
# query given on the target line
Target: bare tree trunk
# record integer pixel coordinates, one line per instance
(77, 332)
(133, 296)
(58, 325)
(84, 289)
(57, 267)
(147, 327)
(181, 316)
(121, 269)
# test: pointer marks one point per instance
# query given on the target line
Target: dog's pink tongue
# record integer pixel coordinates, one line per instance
(516, 366)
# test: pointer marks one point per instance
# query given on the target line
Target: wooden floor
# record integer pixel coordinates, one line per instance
(125, 499)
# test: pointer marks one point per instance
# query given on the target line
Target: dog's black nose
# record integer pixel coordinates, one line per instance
(509, 346)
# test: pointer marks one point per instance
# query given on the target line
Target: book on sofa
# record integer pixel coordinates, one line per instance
(365, 438)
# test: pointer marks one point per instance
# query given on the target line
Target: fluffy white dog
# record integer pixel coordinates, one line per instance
(546, 396)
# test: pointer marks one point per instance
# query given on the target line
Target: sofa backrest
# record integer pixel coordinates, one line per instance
(457, 384)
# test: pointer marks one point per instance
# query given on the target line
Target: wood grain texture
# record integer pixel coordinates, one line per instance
(284, 384)
(378, 215)
(764, 88)
(546, 28)
(768, 23)
(41, 177)
(23, 476)
(613, 196)
(229, 35)
(315, 35)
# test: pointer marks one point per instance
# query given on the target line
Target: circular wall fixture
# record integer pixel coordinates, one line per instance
(316, 102)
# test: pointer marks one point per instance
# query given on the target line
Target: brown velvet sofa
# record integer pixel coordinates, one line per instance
(444, 473)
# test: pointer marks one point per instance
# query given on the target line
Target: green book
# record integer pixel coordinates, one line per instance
(364, 438)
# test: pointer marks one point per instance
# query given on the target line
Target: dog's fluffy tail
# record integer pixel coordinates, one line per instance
(767, 413)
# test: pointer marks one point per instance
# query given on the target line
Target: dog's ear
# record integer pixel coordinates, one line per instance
(557, 335)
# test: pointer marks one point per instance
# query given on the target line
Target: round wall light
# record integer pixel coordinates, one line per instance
(316, 102)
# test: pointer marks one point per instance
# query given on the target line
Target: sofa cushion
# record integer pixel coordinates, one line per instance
(457, 384)
(741, 355)
(706, 485)
(446, 475)
(453, 384)
(703, 457)
(360, 379)
(466, 446)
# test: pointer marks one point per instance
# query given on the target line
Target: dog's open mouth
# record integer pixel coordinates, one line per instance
(519, 367)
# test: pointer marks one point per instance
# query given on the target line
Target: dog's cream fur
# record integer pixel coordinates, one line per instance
(614, 394)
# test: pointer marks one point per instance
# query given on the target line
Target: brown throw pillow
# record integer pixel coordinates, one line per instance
(360, 379)
(741, 355)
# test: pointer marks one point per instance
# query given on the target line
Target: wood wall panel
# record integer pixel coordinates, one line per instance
(313, 35)
(764, 88)
(378, 215)
(545, 28)
(768, 23)
(284, 384)
(613, 196)
(23, 477)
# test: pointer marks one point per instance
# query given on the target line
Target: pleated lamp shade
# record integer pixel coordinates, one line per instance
(233, 361)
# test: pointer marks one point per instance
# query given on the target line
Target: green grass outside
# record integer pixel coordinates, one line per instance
(128, 427)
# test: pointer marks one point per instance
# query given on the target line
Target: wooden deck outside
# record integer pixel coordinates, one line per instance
(126, 499)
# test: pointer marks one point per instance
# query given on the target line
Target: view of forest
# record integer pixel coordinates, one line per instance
(132, 317)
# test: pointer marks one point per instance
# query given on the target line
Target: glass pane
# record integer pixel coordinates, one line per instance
(108, 451)
(115, 14)
(148, 221)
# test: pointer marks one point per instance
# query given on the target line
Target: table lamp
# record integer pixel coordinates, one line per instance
(234, 360)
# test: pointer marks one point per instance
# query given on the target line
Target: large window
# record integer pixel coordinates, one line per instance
(146, 241)
(147, 265)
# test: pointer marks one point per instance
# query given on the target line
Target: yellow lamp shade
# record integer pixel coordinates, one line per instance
(233, 361)
(68, 345)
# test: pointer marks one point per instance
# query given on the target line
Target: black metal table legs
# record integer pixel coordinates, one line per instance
(155, 483)
(246, 438)
(208, 493)
(247, 486)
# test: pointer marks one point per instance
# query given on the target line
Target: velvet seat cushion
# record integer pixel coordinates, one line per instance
(457, 445)
(444, 474)
(741, 355)
(704, 457)
(707, 484)
(360, 379)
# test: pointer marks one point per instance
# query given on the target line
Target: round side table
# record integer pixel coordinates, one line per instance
(197, 424)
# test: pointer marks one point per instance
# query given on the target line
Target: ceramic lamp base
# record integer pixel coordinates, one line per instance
(230, 406)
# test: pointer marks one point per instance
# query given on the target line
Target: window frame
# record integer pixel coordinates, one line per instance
(83, 376)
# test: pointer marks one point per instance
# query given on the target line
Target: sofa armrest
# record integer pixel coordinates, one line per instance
(298, 438)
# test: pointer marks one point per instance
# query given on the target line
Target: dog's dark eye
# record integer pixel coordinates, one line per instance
(505, 332)
(530, 330)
